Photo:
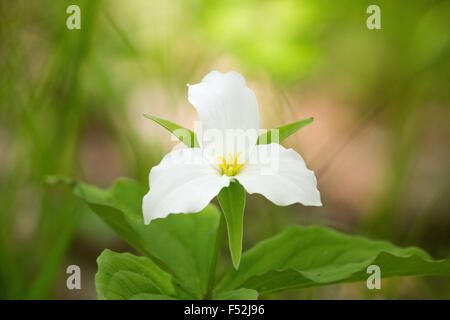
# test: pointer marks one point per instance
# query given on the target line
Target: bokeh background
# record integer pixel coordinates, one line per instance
(71, 103)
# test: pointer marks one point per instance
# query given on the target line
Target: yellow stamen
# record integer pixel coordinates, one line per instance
(223, 159)
(232, 167)
(236, 160)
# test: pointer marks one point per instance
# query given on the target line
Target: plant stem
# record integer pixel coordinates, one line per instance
(215, 256)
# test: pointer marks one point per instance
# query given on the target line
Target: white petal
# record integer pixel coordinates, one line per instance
(280, 175)
(182, 183)
(225, 105)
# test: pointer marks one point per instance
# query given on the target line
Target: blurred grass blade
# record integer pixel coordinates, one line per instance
(283, 131)
(232, 202)
(184, 135)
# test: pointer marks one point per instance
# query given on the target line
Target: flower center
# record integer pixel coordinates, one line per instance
(230, 168)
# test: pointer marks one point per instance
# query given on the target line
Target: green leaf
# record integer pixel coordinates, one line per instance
(232, 202)
(150, 296)
(303, 257)
(184, 135)
(123, 275)
(124, 285)
(120, 207)
(281, 133)
(239, 294)
(181, 244)
(185, 242)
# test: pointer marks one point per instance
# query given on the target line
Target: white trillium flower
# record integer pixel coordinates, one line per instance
(186, 180)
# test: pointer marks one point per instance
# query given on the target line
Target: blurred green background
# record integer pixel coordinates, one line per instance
(71, 103)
